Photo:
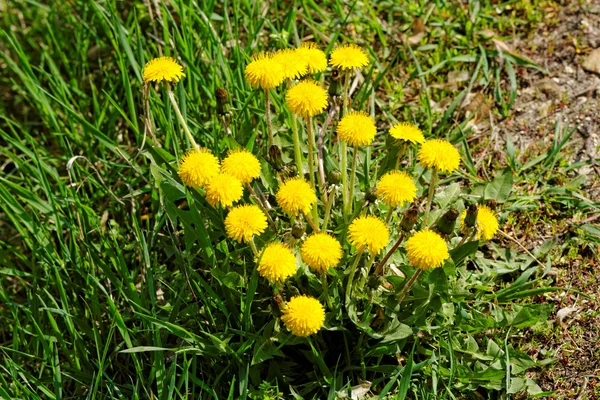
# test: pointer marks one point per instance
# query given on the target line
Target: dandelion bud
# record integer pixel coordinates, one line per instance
(409, 219)
(335, 86)
(371, 195)
(446, 223)
(222, 105)
(492, 204)
(298, 230)
(275, 158)
(334, 177)
(471, 217)
(373, 281)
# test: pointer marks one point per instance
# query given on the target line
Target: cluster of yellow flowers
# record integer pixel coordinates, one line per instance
(223, 182)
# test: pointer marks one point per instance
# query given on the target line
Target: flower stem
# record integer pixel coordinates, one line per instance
(326, 290)
(381, 265)
(432, 183)
(400, 154)
(186, 130)
(311, 161)
(297, 150)
(389, 215)
(253, 247)
(312, 223)
(261, 205)
(408, 285)
(351, 276)
(328, 209)
(352, 180)
(343, 150)
(268, 117)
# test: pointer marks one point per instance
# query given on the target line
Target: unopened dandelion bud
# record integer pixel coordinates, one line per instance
(492, 204)
(445, 225)
(298, 229)
(334, 177)
(409, 219)
(373, 281)
(275, 158)
(371, 195)
(222, 104)
(471, 217)
(335, 85)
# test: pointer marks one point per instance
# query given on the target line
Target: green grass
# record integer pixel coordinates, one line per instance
(116, 282)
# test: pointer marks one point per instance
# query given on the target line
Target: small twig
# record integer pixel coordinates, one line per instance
(521, 246)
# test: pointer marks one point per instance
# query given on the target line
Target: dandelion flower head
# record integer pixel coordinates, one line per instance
(162, 69)
(487, 222)
(396, 188)
(306, 99)
(241, 164)
(198, 167)
(426, 250)
(348, 56)
(245, 221)
(295, 196)
(439, 154)
(276, 263)
(223, 189)
(357, 128)
(264, 72)
(315, 58)
(368, 232)
(321, 251)
(407, 132)
(291, 62)
(303, 315)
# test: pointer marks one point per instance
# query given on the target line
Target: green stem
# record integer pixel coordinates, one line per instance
(186, 130)
(311, 162)
(268, 117)
(408, 285)
(432, 183)
(343, 149)
(297, 150)
(261, 205)
(253, 247)
(400, 154)
(351, 276)
(389, 215)
(312, 223)
(328, 209)
(352, 180)
(326, 290)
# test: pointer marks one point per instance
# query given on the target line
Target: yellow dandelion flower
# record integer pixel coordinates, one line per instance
(162, 69)
(407, 132)
(303, 315)
(264, 72)
(368, 232)
(241, 164)
(315, 59)
(276, 263)
(439, 154)
(426, 250)
(321, 251)
(198, 167)
(293, 65)
(487, 222)
(306, 99)
(396, 188)
(223, 189)
(295, 196)
(357, 128)
(348, 56)
(245, 221)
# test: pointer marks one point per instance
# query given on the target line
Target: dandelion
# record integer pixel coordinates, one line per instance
(368, 232)
(223, 189)
(162, 69)
(198, 167)
(357, 128)
(245, 221)
(296, 196)
(294, 66)
(487, 222)
(407, 132)
(303, 315)
(396, 188)
(349, 56)
(241, 164)
(439, 154)
(426, 250)
(315, 59)
(321, 251)
(306, 99)
(276, 263)
(264, 72)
